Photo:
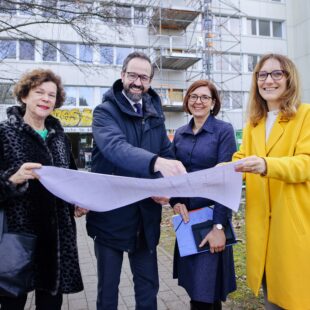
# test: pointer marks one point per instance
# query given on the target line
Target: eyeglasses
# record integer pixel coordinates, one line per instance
(204, 98)
(276, 75)
(134, 76)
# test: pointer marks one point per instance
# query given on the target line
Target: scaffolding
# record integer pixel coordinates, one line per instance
(171, 47)
(197, 39)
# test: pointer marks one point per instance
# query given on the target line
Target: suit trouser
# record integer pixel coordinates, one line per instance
(144, 268)
(43, 300)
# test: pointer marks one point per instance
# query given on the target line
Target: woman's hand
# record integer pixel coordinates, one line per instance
(78, 211)
(252, 164)
(181, 209)
(217, 240)
(161, 200)
(25, 173)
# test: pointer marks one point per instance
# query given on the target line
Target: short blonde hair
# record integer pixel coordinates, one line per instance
(290, 99)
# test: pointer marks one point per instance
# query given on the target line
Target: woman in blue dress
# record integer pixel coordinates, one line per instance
(208, 277)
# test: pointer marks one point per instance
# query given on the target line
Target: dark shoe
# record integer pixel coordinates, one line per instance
(198, 305)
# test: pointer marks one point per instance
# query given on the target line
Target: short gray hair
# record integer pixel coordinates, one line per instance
(137, 55)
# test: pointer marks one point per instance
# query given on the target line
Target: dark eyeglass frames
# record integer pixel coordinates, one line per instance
(134, 76)
(204, 98)
(276, 75)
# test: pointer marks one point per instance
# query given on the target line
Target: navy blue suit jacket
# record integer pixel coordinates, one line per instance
(127, 144)
(213, 144)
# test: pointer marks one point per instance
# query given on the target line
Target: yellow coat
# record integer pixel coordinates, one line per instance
(278, 210)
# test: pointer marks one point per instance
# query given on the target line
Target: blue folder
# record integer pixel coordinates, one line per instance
(184, 233)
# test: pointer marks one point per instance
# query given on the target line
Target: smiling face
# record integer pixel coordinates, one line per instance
(199, 109)
(134, 89)
(40, 101)
(270, 89)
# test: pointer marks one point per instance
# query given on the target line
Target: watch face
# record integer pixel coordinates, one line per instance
(219, 226)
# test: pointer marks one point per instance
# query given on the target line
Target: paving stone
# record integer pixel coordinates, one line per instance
(170, 297)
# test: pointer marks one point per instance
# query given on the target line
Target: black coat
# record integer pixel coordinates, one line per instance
(31, 208)
(127, 144)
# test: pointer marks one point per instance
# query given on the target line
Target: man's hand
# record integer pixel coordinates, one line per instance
(169, 167)
(181, 209)
(25, 173)
(161, 200)
(78, 211)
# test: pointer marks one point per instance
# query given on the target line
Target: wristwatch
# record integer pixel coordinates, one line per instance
(219, 226)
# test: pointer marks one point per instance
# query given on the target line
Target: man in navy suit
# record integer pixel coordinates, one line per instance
(130, 140)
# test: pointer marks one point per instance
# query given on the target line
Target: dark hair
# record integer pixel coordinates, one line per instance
(34, 78)
(290, 99)
(137, 55)
(214, 94)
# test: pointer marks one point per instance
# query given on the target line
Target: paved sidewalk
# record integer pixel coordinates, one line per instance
(171, 296)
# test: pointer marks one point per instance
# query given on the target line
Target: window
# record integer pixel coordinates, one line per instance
(176, 95)
(67, 9)
(251, 26)
(26, 50)
(106, 13)
(7, 7)
(221, 25)
(106, 55)
(236, 98)
(225, 99)
(123, 15)
(252, 61)
(103, 90)
(86, 97)
(140, 16)
(121, 54)
(222, 63)
(7, 49)
(71, 96)
(26, 7)
(67, 52)
(6, 94)
(235, 62)
(49, 51)
(86, 53)
(49, 8)
(264, 28)
(234, 26)
(277, 29)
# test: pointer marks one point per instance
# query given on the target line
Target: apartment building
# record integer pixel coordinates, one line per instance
(186, 39)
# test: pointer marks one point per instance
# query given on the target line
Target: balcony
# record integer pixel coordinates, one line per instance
(172, 18)
(175, 60)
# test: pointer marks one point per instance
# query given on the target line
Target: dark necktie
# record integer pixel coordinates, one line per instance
(138, 107)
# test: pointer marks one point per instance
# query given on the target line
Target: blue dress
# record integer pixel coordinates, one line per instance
(206, 277)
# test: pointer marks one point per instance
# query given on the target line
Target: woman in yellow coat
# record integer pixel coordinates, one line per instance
(276, 153)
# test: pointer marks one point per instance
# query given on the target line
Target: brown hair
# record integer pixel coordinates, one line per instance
(34, 78)
(290, 99)
(214, 94)
(140, 55)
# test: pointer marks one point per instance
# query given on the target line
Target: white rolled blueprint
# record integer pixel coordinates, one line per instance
(100, 192)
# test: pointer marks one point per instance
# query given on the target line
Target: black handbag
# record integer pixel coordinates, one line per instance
(16, 261)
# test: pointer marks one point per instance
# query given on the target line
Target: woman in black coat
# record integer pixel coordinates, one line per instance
(29, 138)
(208, 277)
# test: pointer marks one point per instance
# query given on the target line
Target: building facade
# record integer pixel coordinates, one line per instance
(186, 40)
